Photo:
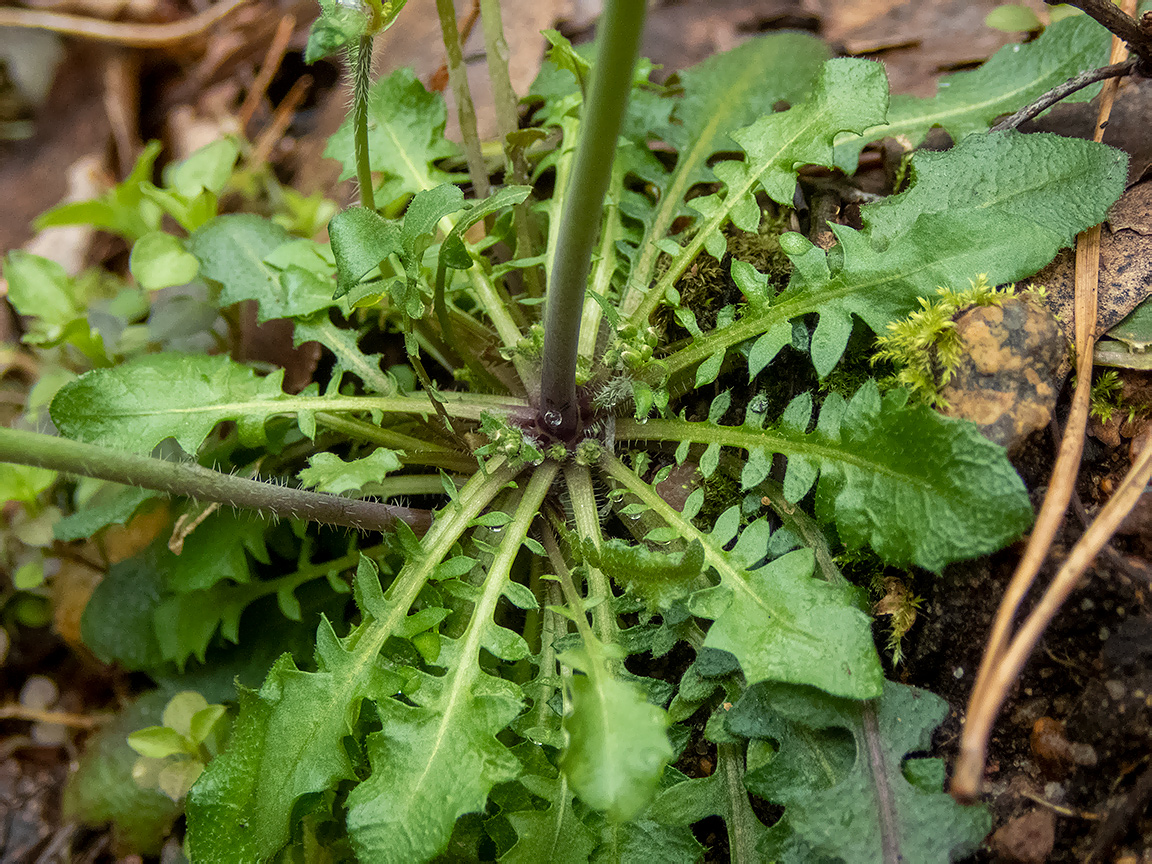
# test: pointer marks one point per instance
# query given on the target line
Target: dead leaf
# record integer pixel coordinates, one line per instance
(123, 541)
(1133, 211)
(917, 40)
(1125, 268)
(678, 35)
(71, 587)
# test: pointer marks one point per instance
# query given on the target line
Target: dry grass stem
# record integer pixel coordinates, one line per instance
(119, 32)
(999, 667)
(272, 60)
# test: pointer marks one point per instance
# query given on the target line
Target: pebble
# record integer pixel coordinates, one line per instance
(1027, 838)
(1006, 381)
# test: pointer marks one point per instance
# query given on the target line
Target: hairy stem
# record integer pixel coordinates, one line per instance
(620, 28)
(194, 481)
(462, 93)
(361, 61)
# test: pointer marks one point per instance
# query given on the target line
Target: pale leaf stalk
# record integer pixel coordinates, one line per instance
(501, 566)
(416, 451)
(587, 517)
(605, 267)
(620, 29)
(743, 826)
(571, 592)
(462, 93)
(338, 342)
(498, 55)
(551, 628)
(564, 159)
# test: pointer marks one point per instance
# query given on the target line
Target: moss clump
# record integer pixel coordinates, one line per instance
(901, 605)
(706, 287)
(720, 492)
(762, 249)
(1108, 397)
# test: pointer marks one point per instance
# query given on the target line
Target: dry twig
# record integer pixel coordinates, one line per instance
(1119, 22)
(276, 49)
(57, 718)
(1063, 91)
(119, 32)
(281, 120)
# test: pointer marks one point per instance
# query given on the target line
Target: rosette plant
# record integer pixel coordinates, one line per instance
(598, 430)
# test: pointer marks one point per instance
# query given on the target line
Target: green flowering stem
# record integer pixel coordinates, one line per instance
(361, 61)
(465, 110)
(195, 481)
(517, 172)
(620, 28)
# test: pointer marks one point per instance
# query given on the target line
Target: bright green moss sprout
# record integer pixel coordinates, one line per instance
(1108, 397)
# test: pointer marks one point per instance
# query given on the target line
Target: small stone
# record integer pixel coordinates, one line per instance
(1026, 839)
(1006, 380)
(1051, 746)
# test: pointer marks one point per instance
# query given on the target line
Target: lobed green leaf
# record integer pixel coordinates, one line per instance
(1014, 76)
(136, 405)
(617, 743)
(438, 760)
(849, 94)
(916, 487)
(805, 630)
(327, 472)
(721, 94)
(847, 797)
(968, 213)
(660, 578)
(237, 252)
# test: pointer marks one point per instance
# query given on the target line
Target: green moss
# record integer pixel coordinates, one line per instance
(706, 287)
(720, 493)
(1108, 398)
(856, 367)
(762, 249)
